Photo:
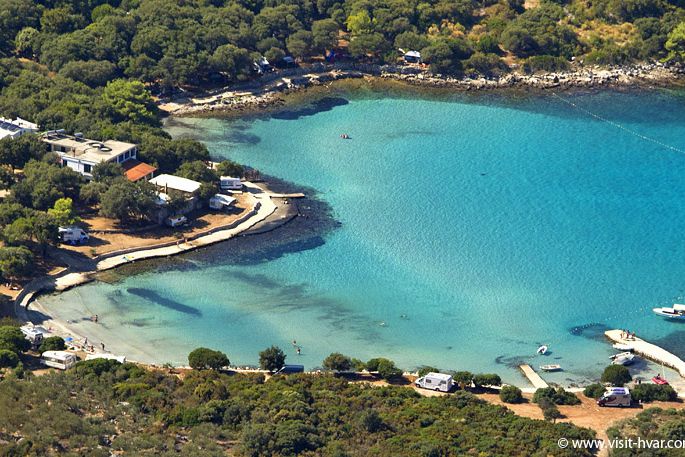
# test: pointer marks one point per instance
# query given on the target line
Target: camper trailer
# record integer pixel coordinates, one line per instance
(615, 396)
(73, 235)
(229, 183)
(61, 360)
(436, 381)
(32, 334)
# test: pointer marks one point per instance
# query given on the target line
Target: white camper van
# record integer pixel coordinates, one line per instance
(615, 396)
(32, 334)
(73, 235)
(436, 381)
(58, 359)
(229, 183)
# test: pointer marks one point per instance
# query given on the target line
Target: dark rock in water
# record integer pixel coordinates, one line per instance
(511, 361)
(163, 301)
(318, 106)
(674, 342)
(592, 331)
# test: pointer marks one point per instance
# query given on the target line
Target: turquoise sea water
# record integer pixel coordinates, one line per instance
(472, 231)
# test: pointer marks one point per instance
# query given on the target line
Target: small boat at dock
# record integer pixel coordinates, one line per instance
(623, 347)
(552, 367)
(677, 311)
(659, 380)
(623, 358)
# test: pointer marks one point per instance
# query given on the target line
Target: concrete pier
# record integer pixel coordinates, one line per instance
(533, 377)
(649, 351)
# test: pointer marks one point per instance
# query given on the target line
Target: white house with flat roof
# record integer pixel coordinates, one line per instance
(170, 182)
(81, 154)
(16, 128)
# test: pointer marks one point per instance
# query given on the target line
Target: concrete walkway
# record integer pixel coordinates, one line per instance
(79, 273)
(649, 351)
(263, 208)
(533, 377)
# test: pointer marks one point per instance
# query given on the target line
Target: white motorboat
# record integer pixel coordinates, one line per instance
(552, 367)
(542, 350)
(677, 311)
(623, 347)
(623, 358)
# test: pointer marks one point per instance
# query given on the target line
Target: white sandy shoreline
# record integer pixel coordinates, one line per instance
(263, 208)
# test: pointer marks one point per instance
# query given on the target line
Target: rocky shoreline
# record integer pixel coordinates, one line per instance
(271, 91)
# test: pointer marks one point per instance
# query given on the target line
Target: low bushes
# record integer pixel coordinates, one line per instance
(204, 359)
(52, 343)
(511, 394)
(653, 392)
(594, 390)
(557, 396)
(616, 375)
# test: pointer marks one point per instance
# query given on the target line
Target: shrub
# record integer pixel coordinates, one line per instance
(12, 339)
(337, 362)
(8, 359)
(557, 396)
(594, 390)
(52, 343)
(424, 370)
(653, 392)
(616, 375)
(491, 379)
(550, 412)
(371, 421)
(545, 63)
(386, 368)
(463, 378)
(96, 367)
(206, 359)
(272, 359)
(511, 394)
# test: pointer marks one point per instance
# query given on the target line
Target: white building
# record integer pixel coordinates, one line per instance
(81, 154)
(170, 182)
(16, 128)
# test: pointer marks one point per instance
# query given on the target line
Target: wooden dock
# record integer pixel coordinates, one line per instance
(533, 377)
(649, 351)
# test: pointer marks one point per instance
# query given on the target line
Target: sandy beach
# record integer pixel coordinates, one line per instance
(269, 212)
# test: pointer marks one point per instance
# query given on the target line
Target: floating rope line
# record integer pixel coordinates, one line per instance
(619, 126)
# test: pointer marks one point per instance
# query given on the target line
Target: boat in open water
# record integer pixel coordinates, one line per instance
(551, 367)
(677, 311)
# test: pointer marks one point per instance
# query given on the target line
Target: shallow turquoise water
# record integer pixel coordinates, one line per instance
(472, 231)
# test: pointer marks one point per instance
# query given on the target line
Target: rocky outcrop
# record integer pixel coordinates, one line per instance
(266, 95)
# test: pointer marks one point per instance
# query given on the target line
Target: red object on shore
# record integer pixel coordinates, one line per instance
(659, 380)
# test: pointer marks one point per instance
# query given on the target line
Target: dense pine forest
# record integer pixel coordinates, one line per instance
(168, 42)
(101, 407)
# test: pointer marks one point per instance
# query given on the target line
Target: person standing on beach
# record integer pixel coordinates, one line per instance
(103, 346)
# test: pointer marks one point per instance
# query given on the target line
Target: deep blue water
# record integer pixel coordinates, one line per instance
(472, 231)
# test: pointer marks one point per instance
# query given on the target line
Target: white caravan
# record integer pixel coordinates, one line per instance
(436, 381)
(58, 359)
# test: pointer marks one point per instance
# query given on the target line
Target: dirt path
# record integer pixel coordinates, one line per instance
(587, 414)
